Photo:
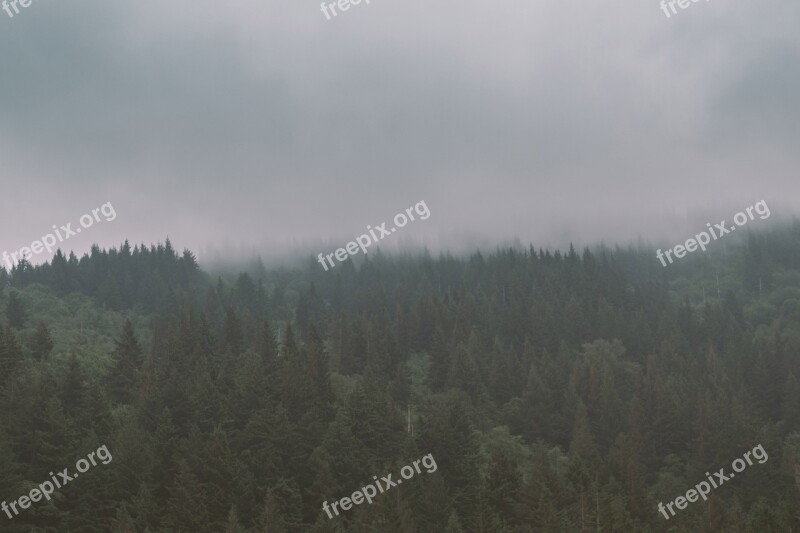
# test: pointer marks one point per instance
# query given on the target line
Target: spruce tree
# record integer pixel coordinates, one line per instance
(15, 311)
(232, 333)
(10, 354)
(42, 342)
(73, 387)
(272, 518)
(453, 524)
(187, 507)
(127, 355)
(123, 523)
(233, 525)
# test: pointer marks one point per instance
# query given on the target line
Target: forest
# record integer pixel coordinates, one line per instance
(558, 390)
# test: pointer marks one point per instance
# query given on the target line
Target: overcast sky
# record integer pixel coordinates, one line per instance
(260, 124)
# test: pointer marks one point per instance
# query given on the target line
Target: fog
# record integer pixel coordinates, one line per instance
(250, 127)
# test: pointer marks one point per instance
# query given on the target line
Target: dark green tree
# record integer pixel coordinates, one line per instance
(15, 311)
(124, 374)
(42, 343)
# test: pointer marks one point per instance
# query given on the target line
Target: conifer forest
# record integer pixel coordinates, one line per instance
(557, 390)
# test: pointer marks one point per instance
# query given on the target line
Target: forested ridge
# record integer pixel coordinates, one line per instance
(559, 391)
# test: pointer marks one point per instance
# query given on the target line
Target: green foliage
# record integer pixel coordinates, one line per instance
(42, 343)
(15, 311)
(556, 391)
(127, 357)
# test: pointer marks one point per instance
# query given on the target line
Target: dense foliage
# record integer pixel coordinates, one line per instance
(558, 392)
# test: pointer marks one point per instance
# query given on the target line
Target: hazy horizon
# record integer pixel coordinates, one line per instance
(269, 128)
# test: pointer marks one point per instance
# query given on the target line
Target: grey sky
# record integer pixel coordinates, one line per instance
(260, 124)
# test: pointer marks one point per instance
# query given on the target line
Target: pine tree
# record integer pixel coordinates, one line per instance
(271, 364)
(233, 525)
(448, 434)
(124, 375)
(15, 311)
(232, 334)
(187, 508)
(73, 387)
(10, 354)
(123, 523)
(503, 488)
(9, 470)
(42, 343)
(318, 373)
(453, 524)
(583, 443)
(50, 431)
(216, 469)
(268, 348)
(273, 518)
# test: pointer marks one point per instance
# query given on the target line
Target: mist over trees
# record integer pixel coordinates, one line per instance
(559, 391)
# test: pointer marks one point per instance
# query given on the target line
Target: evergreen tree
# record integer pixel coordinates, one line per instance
(232, 333)
(453, 524)
(15, 311)
(10, 354)
(233, 525)
(73, 387)
(123, 523)
(127, 356)
(187, 508)
(42, 343)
